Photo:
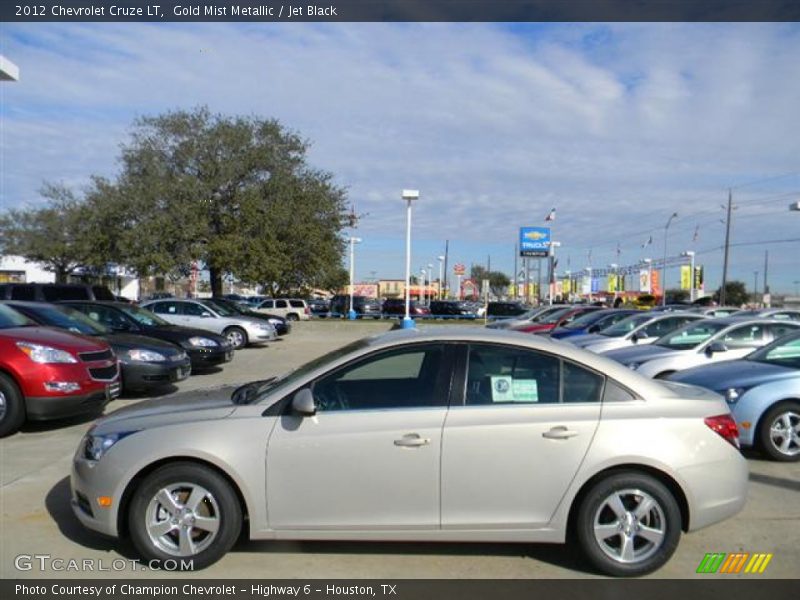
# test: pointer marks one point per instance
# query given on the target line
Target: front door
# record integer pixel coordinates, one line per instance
(369, 459)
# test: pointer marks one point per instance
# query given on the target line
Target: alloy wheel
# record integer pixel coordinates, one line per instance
(784, 433)
(3, 404)
(182, 519)
(630, 526)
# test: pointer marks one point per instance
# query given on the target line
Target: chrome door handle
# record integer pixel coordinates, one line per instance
(559, 433)
(412, 440)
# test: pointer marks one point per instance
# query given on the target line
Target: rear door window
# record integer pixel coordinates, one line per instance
(23, 292)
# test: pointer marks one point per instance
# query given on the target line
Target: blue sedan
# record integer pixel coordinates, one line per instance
(592, 322)
(763, 393)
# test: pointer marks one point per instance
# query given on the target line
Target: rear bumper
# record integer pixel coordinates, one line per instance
(43, 408)
(149, 375)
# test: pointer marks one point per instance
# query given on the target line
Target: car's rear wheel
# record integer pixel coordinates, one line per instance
(628, 524)
(184, 512)
(779, 432)
(12, 406)
(237, 337)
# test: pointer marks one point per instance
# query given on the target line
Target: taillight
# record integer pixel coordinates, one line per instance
(308, 310)
(725, 426)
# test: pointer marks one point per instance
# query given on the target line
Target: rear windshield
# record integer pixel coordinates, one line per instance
(64, 317)
(53, 293)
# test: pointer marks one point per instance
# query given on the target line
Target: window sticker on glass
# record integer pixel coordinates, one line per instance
(508, 389)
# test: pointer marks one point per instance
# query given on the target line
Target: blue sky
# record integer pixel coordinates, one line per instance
(615, 125)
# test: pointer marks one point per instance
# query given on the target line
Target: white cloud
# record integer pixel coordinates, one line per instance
(616, 125)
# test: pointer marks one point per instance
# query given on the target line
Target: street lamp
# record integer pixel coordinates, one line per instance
(409, 196)
(690, 254)
(441, 274)
(422, 287)
(664, 264)
(430, 283)
(351, 314)
(755, 289)
(589, 275)
(551, 284)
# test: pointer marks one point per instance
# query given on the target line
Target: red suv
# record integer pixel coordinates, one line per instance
(50, 374)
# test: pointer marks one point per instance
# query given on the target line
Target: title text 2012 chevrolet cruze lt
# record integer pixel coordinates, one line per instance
(475, 435)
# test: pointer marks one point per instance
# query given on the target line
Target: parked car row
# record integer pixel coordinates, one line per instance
(71, 357)
(751, 358)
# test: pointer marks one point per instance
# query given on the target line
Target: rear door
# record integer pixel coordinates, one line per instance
(518, 429)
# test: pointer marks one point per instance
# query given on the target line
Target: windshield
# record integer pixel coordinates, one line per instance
(223, 311)
(625, 326)
(288, 379)
(143, 316)
(784, 352)
(11, 318)
(555, 317)
(230, 305)
(64, 317)
(691, 336)
(587, 319)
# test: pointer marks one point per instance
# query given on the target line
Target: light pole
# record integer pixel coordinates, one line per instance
(551, 284)
(351, 314)
(690, 254)
(589, 276)
(409, 196)
(649, 263)
(430, 283)
(755, 289)
(664, 264)
(422, 287)
(441, 274)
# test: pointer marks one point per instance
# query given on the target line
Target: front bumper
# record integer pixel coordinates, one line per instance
(44, 408)
(146, 375)
(84, 491)
(203, 358)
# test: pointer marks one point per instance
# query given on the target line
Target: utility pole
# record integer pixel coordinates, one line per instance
(766, 285)
(516, 275)
(446, 251)
(727, 248)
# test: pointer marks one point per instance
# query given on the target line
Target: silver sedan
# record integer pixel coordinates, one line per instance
(642, 329)
(440, 435)
(702, 343)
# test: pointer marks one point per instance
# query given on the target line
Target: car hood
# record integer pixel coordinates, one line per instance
(157, 412)
(127, 341)
(734, 374)
(631, 354)
(57, 338)
(585, 339)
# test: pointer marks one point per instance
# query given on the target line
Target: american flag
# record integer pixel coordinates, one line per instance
(551, 216)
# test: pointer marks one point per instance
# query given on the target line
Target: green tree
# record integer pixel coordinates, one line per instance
(233, 193)
(58, 235)
(498, 281)
(735, 293)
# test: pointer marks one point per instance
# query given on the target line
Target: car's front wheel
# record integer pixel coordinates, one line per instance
(12, 406)
(628, 524)
(184, 512)
(237, 337)
(779, 432)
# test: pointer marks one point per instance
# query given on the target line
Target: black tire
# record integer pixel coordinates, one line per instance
(221, 505)
(790, 410)
(663, 375)
(664, 517)
(12, 406)
(292, 317)
(236, 336)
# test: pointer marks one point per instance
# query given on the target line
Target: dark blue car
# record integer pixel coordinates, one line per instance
(592, 322)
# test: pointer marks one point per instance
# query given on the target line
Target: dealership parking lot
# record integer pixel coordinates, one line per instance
(37, 518)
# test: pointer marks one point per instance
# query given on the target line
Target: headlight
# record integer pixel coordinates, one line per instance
(45, 354)
(634, 365)
(140, 354)
(203, 342)
(95, 446)
(733, 394)
(274, 323)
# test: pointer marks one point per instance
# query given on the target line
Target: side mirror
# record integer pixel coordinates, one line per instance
(636, 337)
(206, 315)
(303, 403)
(715, 347)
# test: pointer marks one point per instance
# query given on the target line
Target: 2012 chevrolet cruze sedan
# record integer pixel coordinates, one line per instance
(475, 435)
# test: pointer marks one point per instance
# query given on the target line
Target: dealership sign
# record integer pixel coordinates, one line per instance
(534, 241)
